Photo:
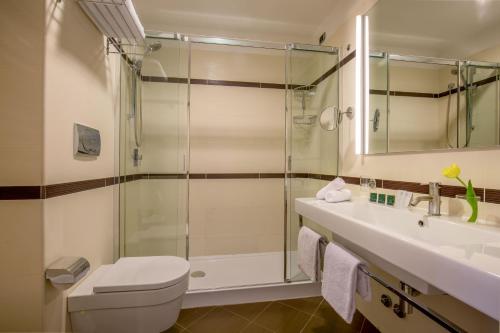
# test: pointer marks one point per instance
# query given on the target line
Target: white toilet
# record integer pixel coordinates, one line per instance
(136, 294)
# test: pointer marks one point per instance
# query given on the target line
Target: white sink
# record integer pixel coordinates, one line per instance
(443, 255)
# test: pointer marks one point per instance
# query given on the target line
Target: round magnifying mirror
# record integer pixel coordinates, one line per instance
(327, 118)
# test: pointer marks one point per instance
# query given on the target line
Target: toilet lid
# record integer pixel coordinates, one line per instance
(142, 273)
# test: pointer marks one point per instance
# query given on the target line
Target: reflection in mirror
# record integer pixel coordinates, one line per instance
(434, 84)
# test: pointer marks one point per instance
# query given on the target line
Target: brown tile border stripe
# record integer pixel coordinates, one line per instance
(347, 58)
(432, 95)
(407, 186)
(164, 176)
(232, 175)
(335, 68)
(225, 83)
(450, 191)
(404, 93)
(248, 84)
(54, 190)
(20, 192)
(413, 94)
(264, 175)
(492, 195)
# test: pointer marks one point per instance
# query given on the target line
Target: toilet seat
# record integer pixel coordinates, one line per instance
(132, 282)
(142, 273)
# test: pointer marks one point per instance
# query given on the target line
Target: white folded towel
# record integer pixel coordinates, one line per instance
(335, 185)
(341, 280)
(338, 196)
(308, 253)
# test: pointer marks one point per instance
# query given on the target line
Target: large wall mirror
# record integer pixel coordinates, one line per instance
(434, 71)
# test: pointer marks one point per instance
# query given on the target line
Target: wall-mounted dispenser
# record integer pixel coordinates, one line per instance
(66, 271)
(86, 141)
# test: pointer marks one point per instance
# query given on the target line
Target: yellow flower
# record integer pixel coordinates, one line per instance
(453, 171)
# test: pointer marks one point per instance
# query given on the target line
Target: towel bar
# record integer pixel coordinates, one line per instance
(428, 312)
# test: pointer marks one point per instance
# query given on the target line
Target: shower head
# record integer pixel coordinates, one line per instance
(153, 47)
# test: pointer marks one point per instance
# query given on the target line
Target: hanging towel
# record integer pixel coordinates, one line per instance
(335, 185)
(309, 253)
(341, 280)
(338, 196)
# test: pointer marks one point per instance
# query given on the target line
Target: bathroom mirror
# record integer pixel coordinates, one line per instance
(434, 69)
(329, 118)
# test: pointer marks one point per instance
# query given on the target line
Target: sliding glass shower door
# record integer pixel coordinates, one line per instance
(312, 121)
(154, 151)
(217, 139)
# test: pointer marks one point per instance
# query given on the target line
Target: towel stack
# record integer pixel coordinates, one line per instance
(334, 191)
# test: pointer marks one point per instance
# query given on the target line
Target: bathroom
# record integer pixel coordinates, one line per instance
(176, 150)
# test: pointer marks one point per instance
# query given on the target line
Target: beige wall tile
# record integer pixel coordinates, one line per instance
(220, 62)
(21, 303)
(164, 127)
(245, 216)
(156, 217)
(21, 91)
(21, 247)
(235, 129)
(21, 236)
(80, 87)
(79, 224)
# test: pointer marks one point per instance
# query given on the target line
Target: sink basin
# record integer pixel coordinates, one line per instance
(432, 254)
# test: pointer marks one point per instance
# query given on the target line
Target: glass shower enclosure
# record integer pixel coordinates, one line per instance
(217, 139)
(154, 153)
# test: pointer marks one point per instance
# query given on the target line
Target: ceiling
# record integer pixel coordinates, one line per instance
(441, 28)
(270, 20)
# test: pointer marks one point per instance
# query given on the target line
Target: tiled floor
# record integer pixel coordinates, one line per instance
(289, 316)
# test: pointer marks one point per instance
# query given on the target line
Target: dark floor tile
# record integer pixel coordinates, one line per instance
(327, 317)
(189, 316)
(219, 320)
(174, 329)
(254, 328)
(249, 311)
(325, 325)
(368, 327)
(282, 318)
(308, 305)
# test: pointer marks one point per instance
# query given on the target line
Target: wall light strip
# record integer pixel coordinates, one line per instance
(366, 81)
(362, 88)
(358, 87)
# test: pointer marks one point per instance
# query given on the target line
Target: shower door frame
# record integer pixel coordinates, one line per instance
(288, 124)
(286, 48)
(189, 39)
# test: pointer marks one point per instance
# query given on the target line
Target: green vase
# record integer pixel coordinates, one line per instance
(470, 196)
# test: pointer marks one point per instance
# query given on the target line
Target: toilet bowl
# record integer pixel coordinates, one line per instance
(136, 294)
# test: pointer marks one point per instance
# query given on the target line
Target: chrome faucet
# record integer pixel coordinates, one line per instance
(433, 198)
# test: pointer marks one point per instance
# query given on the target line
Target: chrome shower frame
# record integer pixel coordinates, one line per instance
(189, 39)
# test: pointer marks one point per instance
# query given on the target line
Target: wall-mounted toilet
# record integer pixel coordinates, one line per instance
(136, 294)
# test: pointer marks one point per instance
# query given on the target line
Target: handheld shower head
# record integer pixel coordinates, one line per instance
(153, 47)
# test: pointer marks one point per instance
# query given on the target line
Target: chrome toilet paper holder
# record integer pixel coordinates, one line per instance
(66, 271)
